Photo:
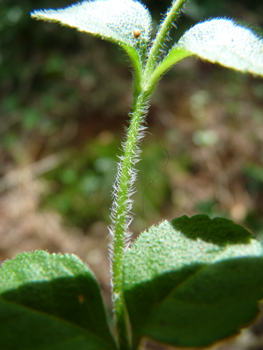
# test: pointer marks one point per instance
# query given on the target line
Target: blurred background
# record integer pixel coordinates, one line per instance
(65, 97)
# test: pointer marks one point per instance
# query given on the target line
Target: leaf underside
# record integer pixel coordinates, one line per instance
(114, 20)
(221, 41)
(193, 281)
(225, 42)
(51, 302)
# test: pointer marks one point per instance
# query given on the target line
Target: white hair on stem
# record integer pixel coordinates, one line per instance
(132, 176)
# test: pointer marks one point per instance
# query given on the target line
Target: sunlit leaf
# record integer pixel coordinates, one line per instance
(225, 42)
(193, 281)
(219, 41)
(125, 22)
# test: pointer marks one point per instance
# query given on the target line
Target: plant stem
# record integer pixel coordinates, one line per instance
(126, 175)
(121, 208)
(162, 34)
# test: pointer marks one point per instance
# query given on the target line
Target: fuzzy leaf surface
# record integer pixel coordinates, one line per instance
(51, 302)
(193, 281)
(114, 20)
(221, 41)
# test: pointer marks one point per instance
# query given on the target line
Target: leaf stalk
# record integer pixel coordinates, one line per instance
(162, 34)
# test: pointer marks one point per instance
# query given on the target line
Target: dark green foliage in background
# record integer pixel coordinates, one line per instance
(83, 184)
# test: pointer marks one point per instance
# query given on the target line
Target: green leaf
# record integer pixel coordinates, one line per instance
(193, 281)
(51, 302)
(221, 41)
(225, 42)
(114, 20)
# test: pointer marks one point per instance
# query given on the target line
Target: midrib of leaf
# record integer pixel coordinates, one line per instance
(174, 289)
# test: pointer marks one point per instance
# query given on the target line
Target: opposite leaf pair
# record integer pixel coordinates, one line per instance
(217, 40)
(190, 282)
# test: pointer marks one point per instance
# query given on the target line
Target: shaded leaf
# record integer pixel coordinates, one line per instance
(50, 301)
(193, 281)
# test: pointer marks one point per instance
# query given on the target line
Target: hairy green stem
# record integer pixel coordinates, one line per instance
(126, 176)
(122, 207)
(163, 34)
